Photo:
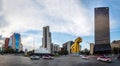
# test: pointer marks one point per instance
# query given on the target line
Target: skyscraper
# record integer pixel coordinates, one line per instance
(46, 40)
(10, 42)
(6, 43)
(102, 30)
(16, 41)
(91, 48)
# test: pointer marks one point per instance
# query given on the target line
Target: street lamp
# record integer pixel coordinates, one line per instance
(33, 44)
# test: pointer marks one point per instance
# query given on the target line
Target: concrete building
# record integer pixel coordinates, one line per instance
(46, 40)
(67, 46)
(21, 47)
(102, 30)
(16, 42)
(13, 42)
(115, 44)
(2, 42)
(91, 48)
(55, 48)
(10, 42)
(6, 43)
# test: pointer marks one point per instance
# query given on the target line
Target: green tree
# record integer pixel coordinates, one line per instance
(63, 52)
(116, 50)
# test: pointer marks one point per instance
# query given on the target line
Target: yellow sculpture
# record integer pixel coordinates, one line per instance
(75, 48)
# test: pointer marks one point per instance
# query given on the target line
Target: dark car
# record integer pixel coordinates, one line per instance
(34, 57)
(47, 57)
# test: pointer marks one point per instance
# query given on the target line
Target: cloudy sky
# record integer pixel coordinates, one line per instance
(67, 20)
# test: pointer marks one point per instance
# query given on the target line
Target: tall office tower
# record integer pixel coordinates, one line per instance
(10, 42)
(91, 48)
(6, 43)
(102, 30)
(46, 40)
(16, 41)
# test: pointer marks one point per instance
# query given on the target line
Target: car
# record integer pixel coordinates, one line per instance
(47, 57)
(84, 57)
(118, 57)
(34, 57)
(104, 59)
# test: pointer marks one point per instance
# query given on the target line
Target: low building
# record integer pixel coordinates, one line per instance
(115, 44)
(2, 42)
(21, 47)
(54, 48)
(67, 46)
(91, 48)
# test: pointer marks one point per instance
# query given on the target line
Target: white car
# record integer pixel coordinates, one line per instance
(47, 57)
(84, 57)
(34, 57)
(105, 59)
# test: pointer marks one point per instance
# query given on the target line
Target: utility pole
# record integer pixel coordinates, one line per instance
(33, 44)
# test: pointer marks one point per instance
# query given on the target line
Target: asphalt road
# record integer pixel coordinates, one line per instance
(11, 60)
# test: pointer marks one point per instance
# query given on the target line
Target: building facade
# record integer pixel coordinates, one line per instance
(67, 46)
(6, 43)
(21, 47)
(115, 44)
(91, 48)
(102, 30)
(46, 40)
(15, 42)
(10, 42)
(2, 42)
(55, 48)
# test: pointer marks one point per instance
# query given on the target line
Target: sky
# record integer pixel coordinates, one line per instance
(67, 19)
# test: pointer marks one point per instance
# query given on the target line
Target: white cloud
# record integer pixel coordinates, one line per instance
(67, 15)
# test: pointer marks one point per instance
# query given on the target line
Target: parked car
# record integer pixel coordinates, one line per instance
(47, 57)
(104, 59)
(84, 57)
(118, 57)
(34, 57)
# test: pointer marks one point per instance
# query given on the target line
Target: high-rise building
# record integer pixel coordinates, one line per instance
(16, 41)
(102, 30)
(91, 48)
(6, 43)
(46, 40)
(1, 44)
(10, 42)
(67, 46)
(55, 48)
(21, 47)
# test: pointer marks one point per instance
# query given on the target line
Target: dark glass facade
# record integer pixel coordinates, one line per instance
(102, 30)
(17, 41)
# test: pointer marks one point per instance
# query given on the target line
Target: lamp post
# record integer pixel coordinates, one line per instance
(33, 44)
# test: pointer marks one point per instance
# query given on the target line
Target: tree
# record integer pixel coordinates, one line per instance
(85, 51)
(116, 50)
(63, 52)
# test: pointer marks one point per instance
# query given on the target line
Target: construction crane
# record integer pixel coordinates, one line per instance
(75, 48)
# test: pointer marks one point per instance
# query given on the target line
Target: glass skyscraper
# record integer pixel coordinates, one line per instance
(102, 30)
(17, 41)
